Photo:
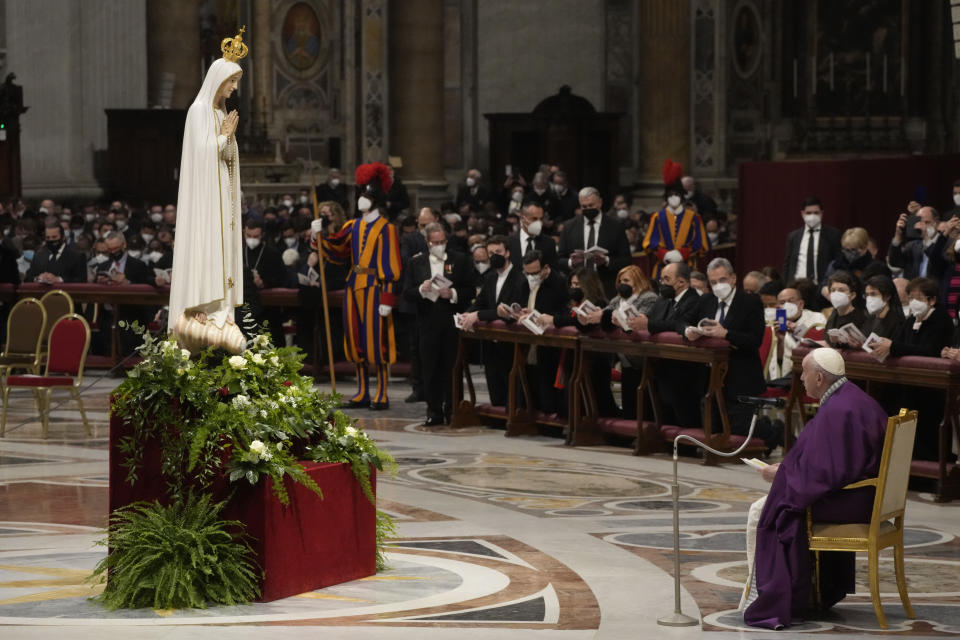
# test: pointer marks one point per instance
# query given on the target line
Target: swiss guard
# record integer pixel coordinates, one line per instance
(676, 232)
(371, 246)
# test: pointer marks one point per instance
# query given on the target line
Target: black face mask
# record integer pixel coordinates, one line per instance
(497, 261)
(591, 214)
(667, 291)
(576, 294)
(624, 290)
(54, 245)
(116, 256)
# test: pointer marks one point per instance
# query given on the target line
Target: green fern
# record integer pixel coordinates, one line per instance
(176, 556)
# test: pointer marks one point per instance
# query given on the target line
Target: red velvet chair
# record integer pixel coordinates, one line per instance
(67, 353)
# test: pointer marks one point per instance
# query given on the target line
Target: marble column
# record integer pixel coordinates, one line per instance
(416, 90)
(663, 75)
(173, 47)
(81, 58)
(262, 63)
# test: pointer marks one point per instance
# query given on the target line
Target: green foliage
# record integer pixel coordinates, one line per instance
(176, 556)
(385, 529)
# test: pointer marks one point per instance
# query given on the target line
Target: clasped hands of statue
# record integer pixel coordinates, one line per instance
(229, 125)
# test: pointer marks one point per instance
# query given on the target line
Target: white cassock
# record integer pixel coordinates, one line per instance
(207, 272)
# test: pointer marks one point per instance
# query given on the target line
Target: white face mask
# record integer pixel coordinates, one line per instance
(673, 201)
(874, 304)
(956, 246)
(121, 225)
(812, 220)
(100, 258)
(722, 290)
(792, 310)
(534, 228)
(517, 196)
(471, 182)
(482, 266)
(839, 299)
(303, 199)
(290, 242)
(437, 250)
(918, 308)
(364, 203)
(253, 243)
(930, 231)
(769, 314)
(956, 199)
(90, 217)
(155, 256)
(623, 214)
(452, 218)
(370, 216)
(134, 253)
(288, 203)
(156, 217)
(713, 236)
(334, 182)
(689, 194)
(533, 280)
(147, 237)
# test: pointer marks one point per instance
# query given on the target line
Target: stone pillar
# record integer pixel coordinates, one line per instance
(262, 63)
(663, 74)
(416, 91)
(173, 50)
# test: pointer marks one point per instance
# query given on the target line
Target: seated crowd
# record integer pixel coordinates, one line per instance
(564, 253)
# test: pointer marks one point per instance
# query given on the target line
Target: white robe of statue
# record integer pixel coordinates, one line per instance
(207, 274)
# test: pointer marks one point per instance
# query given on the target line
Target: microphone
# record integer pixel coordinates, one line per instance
(779, 403)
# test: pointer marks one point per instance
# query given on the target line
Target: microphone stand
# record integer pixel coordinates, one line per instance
(678, 618)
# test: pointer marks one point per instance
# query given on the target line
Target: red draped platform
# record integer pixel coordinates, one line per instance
(310, 544)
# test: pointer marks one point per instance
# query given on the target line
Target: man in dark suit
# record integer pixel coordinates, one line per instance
(333, 190)
(120, 269)
(263, 269)
(674, 382)
(593, 228)
(736, 316)
(567, 202)
(812, 247)
(434, 311)
(473, 192)
(502, 286)
(923, 257)
(531, 237)
(413, 244)
(546, 293)
(56, 262)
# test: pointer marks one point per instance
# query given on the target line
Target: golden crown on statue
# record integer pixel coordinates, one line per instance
(233, 48)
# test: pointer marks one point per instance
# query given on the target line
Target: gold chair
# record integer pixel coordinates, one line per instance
(25, 337)
(889, 503)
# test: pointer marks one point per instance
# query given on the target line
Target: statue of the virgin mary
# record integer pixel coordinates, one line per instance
(207, 279)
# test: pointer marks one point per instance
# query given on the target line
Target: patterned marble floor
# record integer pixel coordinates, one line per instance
(499, 538)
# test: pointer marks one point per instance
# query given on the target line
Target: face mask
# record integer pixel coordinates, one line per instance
(155, 256)
(288, 203)
(44, 210)
(452, 218)
(471, 182)
(370, 216)
(673, 202)
(812, 220)
(533, 280)
(956, 246)
(497, 261)
(28, 255)
(134, 253)
(253, 243)
(575, 294)
(147, 237)
(722, 290)
(918, 308)
(64, 218)
(303, 199)
(100, 258)
(438, 250)
(623, 214)
(121, 225)
(689, 194)
(624, 290)
(53, 245)
(956, 199)
(874, 304)
(591, 214)
(534, 228)
(851, 255)
(290, 242)
(335, 182)
(539, 190)
(157, 218)
(713, 236)
(667, 291)
(792, 310)
(517, 196)
(116, 256)
(482, 266)
(930, 231)
(90, 217)
(839, 300)
(769, 314)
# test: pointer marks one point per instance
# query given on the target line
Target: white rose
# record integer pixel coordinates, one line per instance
(351, 431)
(275, 361)
(185, 353)
(258, 359)
(240, 401)
(237, 362)
(257, 447)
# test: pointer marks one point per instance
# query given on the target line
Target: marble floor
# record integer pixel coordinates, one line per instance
(498, 538)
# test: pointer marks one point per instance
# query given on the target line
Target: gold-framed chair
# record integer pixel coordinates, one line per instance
(888, 504)
(25, 337)
(68, 345)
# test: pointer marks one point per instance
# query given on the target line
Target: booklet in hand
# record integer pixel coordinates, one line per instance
(530, 321)
(586, 308)
(162, 274)
(754, 462)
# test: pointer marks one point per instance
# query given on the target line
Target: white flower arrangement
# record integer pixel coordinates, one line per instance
(257, 359)
(237, 362)
(241, 402)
